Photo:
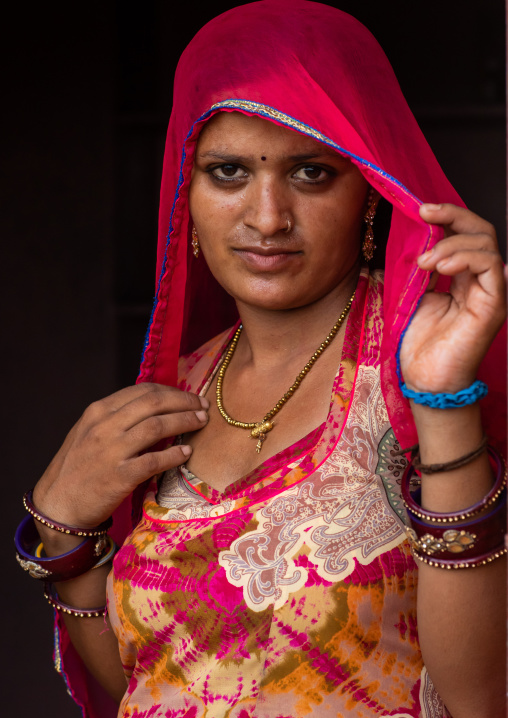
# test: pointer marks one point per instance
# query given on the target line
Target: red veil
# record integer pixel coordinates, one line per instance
(318, 71)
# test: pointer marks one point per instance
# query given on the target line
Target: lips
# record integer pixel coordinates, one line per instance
(267, 258)
(266, 251)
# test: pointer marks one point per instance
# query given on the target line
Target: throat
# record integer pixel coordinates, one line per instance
(223, 452)
(259, 429)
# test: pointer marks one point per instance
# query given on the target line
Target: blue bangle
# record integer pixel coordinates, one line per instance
(472, 394)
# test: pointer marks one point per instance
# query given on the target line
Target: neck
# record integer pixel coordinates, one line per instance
(269, 337)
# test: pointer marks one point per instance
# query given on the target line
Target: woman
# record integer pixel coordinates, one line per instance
(277, 576)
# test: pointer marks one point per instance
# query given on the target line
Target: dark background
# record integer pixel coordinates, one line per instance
(86, 99)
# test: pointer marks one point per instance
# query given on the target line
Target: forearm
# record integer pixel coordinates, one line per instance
(93, 638)
(107, 454)
(461, 613)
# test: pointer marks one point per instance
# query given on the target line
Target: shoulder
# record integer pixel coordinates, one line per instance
(193, 367)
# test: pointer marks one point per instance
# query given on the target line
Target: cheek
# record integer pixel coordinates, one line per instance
(333, 229)
(210, 210)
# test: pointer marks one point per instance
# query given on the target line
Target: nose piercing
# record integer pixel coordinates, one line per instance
(288, 228)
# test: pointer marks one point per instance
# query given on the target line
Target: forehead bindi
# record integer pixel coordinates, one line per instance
(233, 137)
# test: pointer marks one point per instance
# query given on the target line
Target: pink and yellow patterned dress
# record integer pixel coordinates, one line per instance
(293, 592)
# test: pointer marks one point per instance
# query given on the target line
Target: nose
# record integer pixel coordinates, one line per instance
(267, 207)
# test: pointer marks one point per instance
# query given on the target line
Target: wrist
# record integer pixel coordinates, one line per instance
(56, 543)
(447, 400)
(430, 383)
(50, 505)
(87, 590)
(436, 428)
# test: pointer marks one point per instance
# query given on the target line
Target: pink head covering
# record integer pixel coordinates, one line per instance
(318, 71)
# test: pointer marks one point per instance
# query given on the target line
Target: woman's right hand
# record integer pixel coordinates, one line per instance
(107, 453)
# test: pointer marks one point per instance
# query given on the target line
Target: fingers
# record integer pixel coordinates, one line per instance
(476, 254)
(161, 426)
(456, 220)
(443, 251)
(153, 413)
(129, 406)
(153, 463)
(466, 232)
(155, 402)
(121, 398)
(471, 246)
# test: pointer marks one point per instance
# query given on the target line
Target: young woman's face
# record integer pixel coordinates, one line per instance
(252, 180)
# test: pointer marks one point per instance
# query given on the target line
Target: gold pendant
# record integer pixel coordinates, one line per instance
(259, 432)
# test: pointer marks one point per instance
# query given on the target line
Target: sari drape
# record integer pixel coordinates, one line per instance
(318, 71)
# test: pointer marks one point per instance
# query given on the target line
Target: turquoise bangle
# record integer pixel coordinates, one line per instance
(464, 397)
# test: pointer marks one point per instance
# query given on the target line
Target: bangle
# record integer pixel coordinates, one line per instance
(110, 553)
(56, 568)
(113, 548)
(52, 598)
(449, 465)
(480, 537)
(465, 563)
(478, 390)
(63, 528)
(411, 500)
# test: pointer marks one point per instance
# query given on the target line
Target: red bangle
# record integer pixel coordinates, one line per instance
(473, 562)
(470, 540)
(412, 505)
(71, 530)
(52, 598)
(56, 568)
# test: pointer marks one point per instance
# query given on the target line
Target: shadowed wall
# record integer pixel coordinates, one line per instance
(86, 105)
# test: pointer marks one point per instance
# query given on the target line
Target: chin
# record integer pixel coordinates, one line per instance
(274, 300)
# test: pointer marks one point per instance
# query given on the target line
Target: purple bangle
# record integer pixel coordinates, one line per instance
(56, 568)
(412, 505)
(473, 539)
(63, 528)
(52, 598)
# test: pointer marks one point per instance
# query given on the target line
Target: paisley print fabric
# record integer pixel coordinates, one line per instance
(291, 594)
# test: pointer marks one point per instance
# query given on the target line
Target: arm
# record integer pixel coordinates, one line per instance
(461, 613)
(104, 457)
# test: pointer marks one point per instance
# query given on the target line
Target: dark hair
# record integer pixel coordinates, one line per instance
(381, 229)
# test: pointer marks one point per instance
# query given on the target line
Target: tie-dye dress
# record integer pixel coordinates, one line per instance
(293, 592)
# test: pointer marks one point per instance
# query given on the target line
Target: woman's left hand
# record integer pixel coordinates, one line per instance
(450, 333)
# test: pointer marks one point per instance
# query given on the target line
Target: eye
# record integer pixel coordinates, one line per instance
(312, 173)
(227, 173)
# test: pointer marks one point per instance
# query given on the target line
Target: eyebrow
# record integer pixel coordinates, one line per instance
(303, 157)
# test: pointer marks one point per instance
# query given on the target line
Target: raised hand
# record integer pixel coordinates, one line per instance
(107, 453)
(450, 333)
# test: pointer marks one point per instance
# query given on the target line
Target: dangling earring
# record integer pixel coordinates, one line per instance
(368, 245)
(195, 243)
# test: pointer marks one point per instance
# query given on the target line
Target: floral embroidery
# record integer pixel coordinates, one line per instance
(341, 514)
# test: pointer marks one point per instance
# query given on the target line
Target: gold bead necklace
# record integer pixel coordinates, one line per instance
(259, 429)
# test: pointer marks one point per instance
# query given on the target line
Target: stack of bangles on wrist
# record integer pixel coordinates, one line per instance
(96, 549)
(468, 538)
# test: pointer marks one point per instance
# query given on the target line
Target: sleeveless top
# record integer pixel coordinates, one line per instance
(293, 592)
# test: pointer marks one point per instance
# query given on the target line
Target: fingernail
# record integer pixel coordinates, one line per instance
(432, 207)
(202, 415)
(204, 402)
(426, 255)
(186, 450)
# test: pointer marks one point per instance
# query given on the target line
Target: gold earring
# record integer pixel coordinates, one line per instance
(195, 243)
(368, 245)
